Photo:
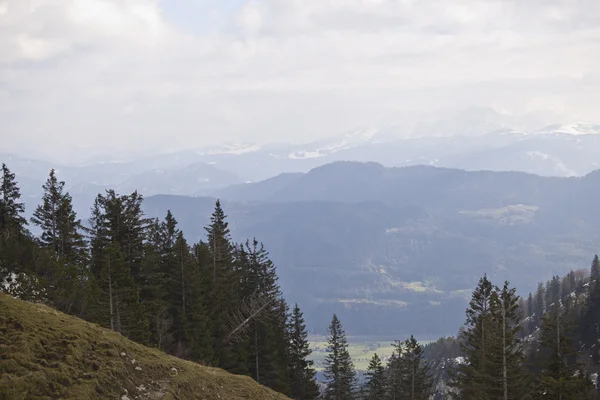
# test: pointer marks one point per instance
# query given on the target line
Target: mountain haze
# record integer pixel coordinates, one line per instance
(392, 248)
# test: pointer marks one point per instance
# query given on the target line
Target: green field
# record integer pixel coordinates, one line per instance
(361, 350)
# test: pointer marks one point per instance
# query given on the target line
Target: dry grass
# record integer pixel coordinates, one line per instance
(45, 354)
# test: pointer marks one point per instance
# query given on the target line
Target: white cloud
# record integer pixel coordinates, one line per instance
(134, 73)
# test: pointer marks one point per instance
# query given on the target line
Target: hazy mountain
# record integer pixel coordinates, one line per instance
(386, 245)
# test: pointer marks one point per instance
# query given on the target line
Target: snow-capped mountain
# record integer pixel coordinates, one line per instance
(231, 148)
(347, 141)
(570, 129)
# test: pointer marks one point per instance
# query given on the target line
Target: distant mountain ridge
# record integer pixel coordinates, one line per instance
(392, 248)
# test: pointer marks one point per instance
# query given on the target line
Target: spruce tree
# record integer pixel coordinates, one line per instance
(540, 303)
(339, 369)
(474, 378)
(375, 380)
(154, 289)
(561, 377)
(302, 373)
(117, 232)
(589, 325)
(18, 261)
(510, 378)
(410, 374)
(595, 269)
(59, 223)
(267, 332)
(224, 294)
(12, 222)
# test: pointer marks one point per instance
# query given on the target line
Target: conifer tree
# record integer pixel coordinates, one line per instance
(339, 369)
(58, 222)
(154, 289)
(410, 375)
(561, 377)
(511, 380)
(595, 269)
(267, 332)
(117, 232)
(17, 249)
(375, 380)
(589, 326)
(473, 378)
(224, 293)
(302, 374)
(540, 302)
(12, 222)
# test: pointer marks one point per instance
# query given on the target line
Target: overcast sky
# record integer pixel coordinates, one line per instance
(167, 74)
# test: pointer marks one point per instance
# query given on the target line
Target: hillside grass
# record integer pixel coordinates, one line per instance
(45, 354)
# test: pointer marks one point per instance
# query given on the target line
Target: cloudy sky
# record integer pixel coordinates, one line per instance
(154, 74)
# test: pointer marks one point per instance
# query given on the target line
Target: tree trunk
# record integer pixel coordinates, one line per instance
(256, 353)
(110, 297)
(504, 367)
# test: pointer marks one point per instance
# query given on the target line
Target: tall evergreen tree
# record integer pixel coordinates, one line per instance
(510, 378)
(472, 379)
(540, 303)
(376, 387)
(224, 293)
(411, 377)
(302, 373)
(595, 269)
(12, 221)
(339, 369)
(561, 378)
(61, 229)
(267, 332)
(117, 232)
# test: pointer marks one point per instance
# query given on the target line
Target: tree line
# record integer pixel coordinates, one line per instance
(215, 302)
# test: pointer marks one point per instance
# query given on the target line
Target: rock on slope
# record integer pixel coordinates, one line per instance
(45, 354)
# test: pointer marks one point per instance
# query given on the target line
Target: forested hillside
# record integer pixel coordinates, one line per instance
(368, 242)
(554, 335)
(215, 302)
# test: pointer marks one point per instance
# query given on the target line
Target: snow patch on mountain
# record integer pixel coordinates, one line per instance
(348, 141)
(231, 148)
(571, 129)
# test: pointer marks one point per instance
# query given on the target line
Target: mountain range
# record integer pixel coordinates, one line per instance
(391, 249)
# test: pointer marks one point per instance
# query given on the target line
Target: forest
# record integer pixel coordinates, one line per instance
(218, 303)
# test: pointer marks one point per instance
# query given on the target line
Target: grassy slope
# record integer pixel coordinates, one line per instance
(45, 354)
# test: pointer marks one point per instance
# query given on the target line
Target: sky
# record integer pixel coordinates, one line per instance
(151, 75)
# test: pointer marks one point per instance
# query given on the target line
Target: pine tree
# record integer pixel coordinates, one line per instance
(589, 325)
(190, 326)
(199, 320)
(267, 332)
(224, 294)
(595, 269)
(12, 222)
(561, 377)
(540, 303)
(339, 369)
(59, 223)
(302, 374)
(117, 305)
(511, 380)
(154, 288)
(18, 264)
(375, 380)
(411, 378)
(473, 378)
(117, 232)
